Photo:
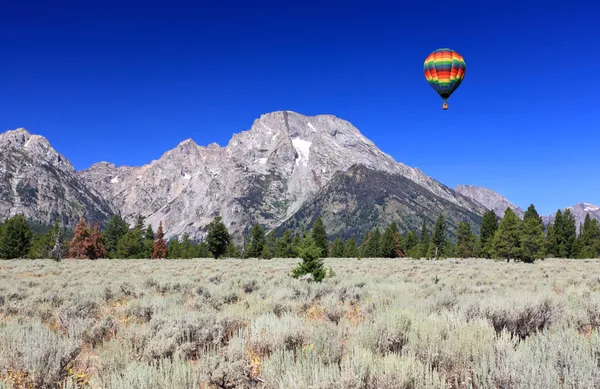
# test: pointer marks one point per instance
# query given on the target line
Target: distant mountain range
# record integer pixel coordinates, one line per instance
(283, 172)
(499, 204)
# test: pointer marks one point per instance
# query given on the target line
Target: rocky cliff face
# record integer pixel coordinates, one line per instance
(263, 175)
(489, 199)
(42, 184)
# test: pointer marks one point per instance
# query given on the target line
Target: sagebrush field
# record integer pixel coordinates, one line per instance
(376, 323)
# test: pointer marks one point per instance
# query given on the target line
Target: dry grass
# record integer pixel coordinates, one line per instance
(378, 323)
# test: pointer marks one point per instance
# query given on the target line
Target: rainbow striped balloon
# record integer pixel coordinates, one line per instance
(444, 70)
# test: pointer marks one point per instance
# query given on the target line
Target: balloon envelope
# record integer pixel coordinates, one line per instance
(444, 70)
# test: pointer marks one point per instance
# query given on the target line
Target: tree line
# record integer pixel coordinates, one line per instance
(507, 238)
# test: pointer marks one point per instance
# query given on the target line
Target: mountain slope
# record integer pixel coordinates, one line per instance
(489, 199)
(263, 175)
(42, 184)
(361, 198)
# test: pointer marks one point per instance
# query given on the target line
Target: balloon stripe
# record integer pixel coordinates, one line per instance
(444, 70)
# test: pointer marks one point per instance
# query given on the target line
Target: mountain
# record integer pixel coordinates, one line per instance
(362, 198)
(579, 211)
(263, 175)
(489, 199)
(498, 203)
(42, 184)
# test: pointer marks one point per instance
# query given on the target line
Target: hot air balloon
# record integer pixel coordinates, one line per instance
(444, 70)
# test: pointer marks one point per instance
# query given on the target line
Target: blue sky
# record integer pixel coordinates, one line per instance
(122, 82)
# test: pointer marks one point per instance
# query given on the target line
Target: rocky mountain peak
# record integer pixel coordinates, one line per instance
(489, 199)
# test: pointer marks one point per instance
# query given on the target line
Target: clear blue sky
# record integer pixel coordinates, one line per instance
(123, 82)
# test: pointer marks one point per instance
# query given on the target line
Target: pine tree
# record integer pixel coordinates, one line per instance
(312, 262)
(489, 226)
(466, 241)
(320, 236)
(187, 247)
(139, 222)
(114, 231)
(532, 239)
(550, 243)
(284, 245)
(233, 251)
(295, 244)
(439, 238)
(41, 245)
(531, 213)
(507, 239)
(387, 245)
(350, 251)
(81, 244)
(337, 250)
(424, 242)
(15, 238)
(217, 237)
(588, 240)
(255, 242)
(96, 249)
(411, 242)
(131, 245)
(372, 247)
(566, 234)
(174, 249)
(270, 246)
(159, 247)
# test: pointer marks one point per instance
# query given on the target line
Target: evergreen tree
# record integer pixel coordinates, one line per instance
(217, 238)
(295, 244)
(411, 241)
(41, 244)
(233, 251)
(174, 249)
(588, 240)
(372, 248)
(255, 242)
(507, 239)
(186, 247)
(466, 241)
(387, 246)
(319, 235)
(131, 245)
(351, 251)
(270, 246)
(202, 250)
(532, 239)
(15, 238)
(312, 262)
(489, 226)
(114, 231)
(531, 213)
(284, 245)
(566, 232)
(439, 238)
(337, 250)
(424, 242)
(550, 244)
(159, 246)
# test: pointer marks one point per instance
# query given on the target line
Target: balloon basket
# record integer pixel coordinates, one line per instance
(445, 106)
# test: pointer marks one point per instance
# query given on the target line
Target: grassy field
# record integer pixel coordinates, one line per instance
(377, 323)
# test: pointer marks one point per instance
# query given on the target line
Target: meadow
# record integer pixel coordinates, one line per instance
(374, 323)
